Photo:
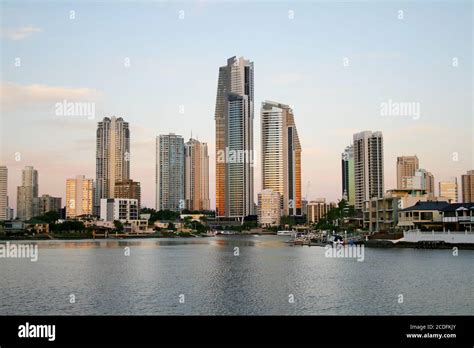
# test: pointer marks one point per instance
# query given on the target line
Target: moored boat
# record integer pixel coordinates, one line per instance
(285, 233)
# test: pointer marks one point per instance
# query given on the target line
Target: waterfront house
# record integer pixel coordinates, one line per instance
(37, 226)
(380, 214)
(164, 224)
(14, 227)
(458, 216)
(423, 216)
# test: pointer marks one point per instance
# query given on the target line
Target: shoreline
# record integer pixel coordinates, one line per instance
(16, 238)
(373, 243)
(388, 244)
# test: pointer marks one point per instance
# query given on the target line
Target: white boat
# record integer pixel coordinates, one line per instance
(228, 232)
(285, 233)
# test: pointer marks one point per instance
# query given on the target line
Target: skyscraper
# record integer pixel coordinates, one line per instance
(449, 190)
(170, 172)
(348, 184)
(129, 189)
(112, 157)
(196, 172)
(234, 139)
(281, 155)
(467, 182)
(406, 166)
(26, 193)
(3, 193)
(79, 196)
(368, 167)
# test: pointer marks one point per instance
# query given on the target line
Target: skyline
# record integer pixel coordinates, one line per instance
(452, 184)
(331, 101)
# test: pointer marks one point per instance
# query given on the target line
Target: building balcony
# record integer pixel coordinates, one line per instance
(458, 219)
(464, 218)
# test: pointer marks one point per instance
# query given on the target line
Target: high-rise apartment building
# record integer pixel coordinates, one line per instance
(449, 190)
(26, 194)
(348, 183)
(414, 182)
(128, 189)
(121, 209)
(304, 207)
(368, 167)
(406, 166)
(421, 180)
(467, 183)
(45, 204)
(112, 157)
(429, 180)
(79, 196)
(281, 155)
(170, 172)
(196, 173)
(317, 209)
(3, 193)
(234, 139)
(269, 208)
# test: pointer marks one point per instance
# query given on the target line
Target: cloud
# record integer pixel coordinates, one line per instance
(20, 33)
(16, 97)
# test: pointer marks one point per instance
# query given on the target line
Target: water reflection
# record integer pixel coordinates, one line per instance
(257, 280)
(157, 242)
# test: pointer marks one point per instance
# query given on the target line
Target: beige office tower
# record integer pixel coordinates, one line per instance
(196, 175)
(269, 208)
(406, 166)
(318, 209)
(421, 180)
(368, 167)
(26, 194)
(234, 139)
(79, 196)
(449, 190)
(467, 182)
(281, 155)
(3, 193)
(112, 157)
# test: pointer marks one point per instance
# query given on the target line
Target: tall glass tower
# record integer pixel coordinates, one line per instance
(281, 155)
(234, 139)
(348, 183)
(368, 167)
(170, 172)
(112, 157)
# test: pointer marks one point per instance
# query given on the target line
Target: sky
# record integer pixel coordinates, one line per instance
(335, 63)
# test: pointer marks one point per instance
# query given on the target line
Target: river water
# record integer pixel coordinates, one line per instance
(254, 275)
